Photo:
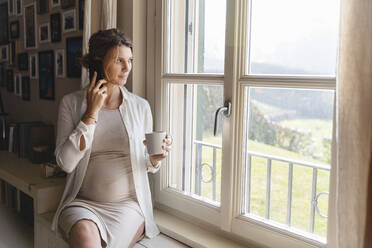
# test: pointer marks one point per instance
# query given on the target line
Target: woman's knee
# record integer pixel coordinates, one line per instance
(85, 231)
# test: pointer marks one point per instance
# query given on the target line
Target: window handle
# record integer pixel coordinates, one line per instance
(226, 108)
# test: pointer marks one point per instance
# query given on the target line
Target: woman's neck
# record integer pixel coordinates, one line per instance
(114, 97)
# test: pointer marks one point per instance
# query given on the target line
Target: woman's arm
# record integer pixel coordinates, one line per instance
(72, 142)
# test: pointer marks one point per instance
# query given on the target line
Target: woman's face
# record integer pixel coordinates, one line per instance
(118, 64)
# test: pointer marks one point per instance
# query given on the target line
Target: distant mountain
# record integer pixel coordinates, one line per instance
(301, 103)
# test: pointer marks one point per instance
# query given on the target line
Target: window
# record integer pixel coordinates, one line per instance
(289, 37)
(265, 173)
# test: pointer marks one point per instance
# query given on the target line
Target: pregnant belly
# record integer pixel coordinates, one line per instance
(108, 180)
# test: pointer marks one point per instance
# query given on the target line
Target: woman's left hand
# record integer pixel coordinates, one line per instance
(156, 158)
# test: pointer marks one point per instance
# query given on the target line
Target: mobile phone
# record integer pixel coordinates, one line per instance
(96, 66)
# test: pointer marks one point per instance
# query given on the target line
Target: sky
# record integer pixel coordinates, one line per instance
(299, 34)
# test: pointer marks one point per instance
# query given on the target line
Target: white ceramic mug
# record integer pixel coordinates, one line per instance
(154, 142)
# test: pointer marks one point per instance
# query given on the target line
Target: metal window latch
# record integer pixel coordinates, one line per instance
(226, 108)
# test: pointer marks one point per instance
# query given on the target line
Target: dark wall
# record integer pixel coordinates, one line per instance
(36, 108)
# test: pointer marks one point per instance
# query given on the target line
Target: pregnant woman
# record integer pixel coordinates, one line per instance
(101, 145)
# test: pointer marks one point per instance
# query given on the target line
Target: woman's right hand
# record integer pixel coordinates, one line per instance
(96, 96)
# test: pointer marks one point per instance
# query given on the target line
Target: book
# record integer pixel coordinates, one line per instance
(27, 208)
(6, 193)
(3, 131)
(12, 196)
(18, 201)
(15, 138)
(3, 192)
(11, 137)
(2, 188)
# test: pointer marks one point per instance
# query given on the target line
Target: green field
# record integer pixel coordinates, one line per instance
(302, 185)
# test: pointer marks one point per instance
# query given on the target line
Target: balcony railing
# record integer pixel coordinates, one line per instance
(199, 167)
(199, 178)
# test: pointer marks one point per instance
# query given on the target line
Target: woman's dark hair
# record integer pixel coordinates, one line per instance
(101, 42)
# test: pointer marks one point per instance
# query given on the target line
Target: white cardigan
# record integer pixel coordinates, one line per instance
(136, 115)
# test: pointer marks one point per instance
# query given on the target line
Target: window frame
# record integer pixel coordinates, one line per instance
(227, 217)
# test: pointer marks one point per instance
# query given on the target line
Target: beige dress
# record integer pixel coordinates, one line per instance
(107, 195)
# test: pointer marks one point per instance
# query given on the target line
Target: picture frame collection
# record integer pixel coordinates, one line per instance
(24, 32)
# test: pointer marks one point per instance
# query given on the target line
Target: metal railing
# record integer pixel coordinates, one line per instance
(291, 162)
(199, 178)
(199, 167)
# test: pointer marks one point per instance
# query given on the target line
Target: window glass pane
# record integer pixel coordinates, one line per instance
(195, 161)
(287, 156)
(293, 37)
(196, 39)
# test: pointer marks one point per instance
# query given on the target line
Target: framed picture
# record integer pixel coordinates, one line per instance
(23, 61)
(65, 4)
(55, 27)
(10, 7)
(18, 7)
(26, 94)
(14, 30)
(30, 26)
(55, 3)
(33, 66)
(2, 75)
(81, 14)
(4, 55)
(46, 75)
(18, 84)
(44, 33)
(4, 38)
(9, 80)
(42, 6)
(73, 53)
(60, 63)
(12, 53)
(69, 21)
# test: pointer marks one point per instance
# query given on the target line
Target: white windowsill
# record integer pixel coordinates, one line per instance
(189, 233)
